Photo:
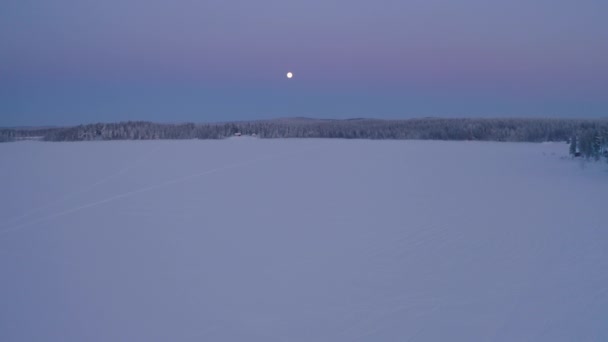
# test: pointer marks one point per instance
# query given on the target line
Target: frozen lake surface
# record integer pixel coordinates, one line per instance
(301, 240)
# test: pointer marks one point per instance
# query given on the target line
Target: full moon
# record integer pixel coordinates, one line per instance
(289, 75)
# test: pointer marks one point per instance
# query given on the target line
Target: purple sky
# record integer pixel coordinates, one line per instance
(78, 61)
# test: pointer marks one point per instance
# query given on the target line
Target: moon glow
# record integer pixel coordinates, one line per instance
(289, 74)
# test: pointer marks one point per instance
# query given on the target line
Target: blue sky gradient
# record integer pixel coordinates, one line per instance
(80, 61)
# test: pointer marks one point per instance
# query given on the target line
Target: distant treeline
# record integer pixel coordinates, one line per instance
(589, 137)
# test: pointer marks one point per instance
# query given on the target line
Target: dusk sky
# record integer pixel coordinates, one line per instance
(81, 61)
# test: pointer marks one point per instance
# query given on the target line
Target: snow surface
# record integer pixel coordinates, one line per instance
(301, 240)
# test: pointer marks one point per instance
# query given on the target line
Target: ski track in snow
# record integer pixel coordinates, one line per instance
(78, 192)
(134, 192)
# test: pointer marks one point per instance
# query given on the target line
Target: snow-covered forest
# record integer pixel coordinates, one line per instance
(588, 138)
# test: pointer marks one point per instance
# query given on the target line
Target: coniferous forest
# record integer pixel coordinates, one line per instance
(587, 138)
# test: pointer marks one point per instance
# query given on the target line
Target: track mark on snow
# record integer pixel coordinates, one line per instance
(142, 190)
(67, 196)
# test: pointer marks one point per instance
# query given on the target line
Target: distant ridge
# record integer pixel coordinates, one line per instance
(25, 128)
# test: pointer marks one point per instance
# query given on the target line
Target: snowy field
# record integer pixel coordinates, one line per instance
(301, 240)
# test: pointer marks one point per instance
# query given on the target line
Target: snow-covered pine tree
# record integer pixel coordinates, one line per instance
(573, 147)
